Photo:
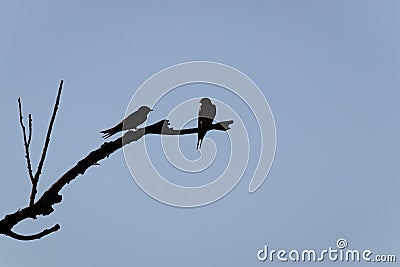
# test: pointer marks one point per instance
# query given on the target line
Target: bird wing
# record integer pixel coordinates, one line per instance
(213, 111)
(206, 116)
(134, 120)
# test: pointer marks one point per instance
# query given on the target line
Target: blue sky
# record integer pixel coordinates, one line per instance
(329, 71)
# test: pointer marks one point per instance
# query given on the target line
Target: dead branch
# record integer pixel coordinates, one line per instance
(44, 206)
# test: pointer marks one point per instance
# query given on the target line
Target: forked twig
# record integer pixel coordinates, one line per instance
(35, 179)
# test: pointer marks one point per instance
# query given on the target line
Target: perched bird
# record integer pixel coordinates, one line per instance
(130, 122)
(207, 113)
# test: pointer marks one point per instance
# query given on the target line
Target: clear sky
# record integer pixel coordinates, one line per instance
(329, 70)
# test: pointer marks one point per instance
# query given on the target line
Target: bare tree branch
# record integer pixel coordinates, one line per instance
(162, 127)
(44, 206)
(45, 147)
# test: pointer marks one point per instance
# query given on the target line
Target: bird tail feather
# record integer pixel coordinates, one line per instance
(200, 137)
(110, 132)
(107, 133)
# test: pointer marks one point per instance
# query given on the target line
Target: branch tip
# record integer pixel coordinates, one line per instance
(45, 232)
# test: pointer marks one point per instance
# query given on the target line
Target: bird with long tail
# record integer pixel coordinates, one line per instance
(131, 122)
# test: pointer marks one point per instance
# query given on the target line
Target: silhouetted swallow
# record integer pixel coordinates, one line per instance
(207, 113)
(130, 122)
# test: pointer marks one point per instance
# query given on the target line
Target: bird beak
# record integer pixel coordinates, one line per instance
(151, 110)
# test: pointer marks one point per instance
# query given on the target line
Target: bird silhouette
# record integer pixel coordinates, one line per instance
(207, 113)
(130, 122)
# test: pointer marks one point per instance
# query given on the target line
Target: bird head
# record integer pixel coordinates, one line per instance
(205, 100)
(145, 109)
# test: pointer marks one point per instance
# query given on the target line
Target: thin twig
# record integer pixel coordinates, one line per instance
(45, 147)
(29, 129)
(26, 143)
